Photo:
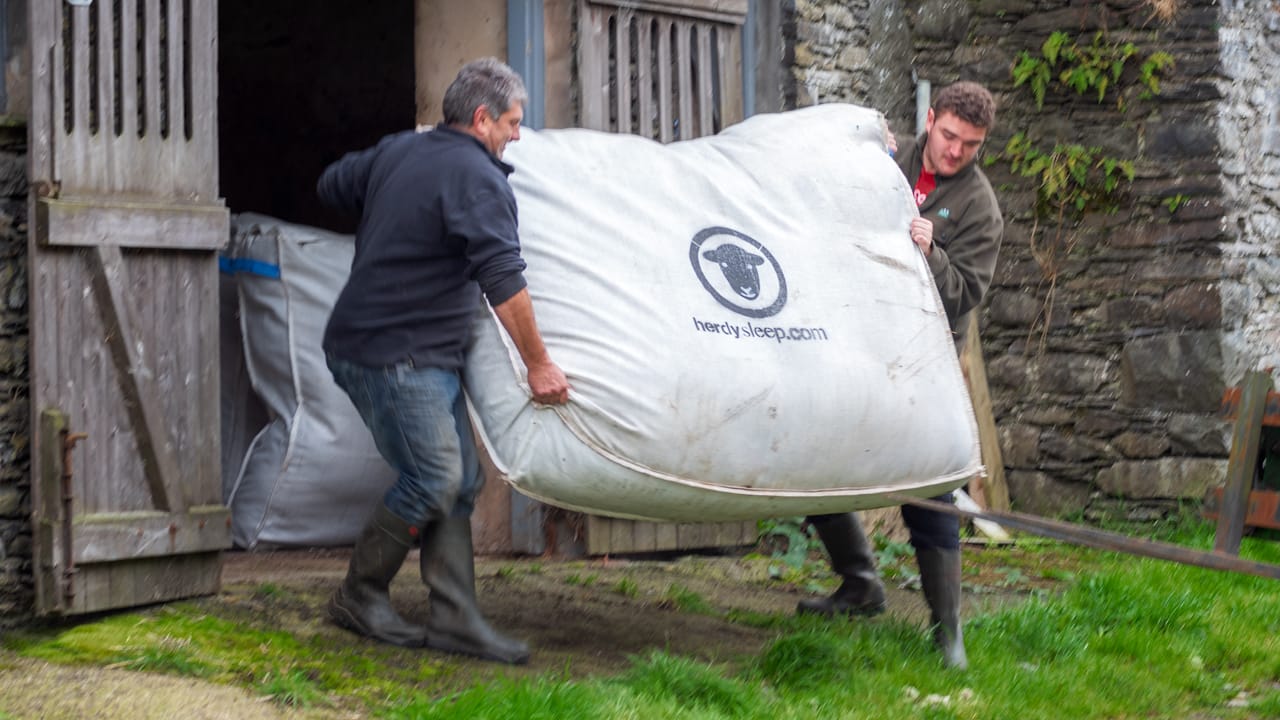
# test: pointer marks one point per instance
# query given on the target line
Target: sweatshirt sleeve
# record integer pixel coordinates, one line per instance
(344, 184)
(487, 223)
(964, 268)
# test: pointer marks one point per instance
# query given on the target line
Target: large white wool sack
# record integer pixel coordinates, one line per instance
(747, 327)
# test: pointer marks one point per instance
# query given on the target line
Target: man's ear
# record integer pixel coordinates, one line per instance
(479, 116)
(928, 120)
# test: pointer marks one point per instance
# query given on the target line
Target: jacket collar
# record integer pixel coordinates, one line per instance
(460, 136)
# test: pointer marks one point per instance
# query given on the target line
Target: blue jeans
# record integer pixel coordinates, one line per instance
(419, 423)
(932, 529)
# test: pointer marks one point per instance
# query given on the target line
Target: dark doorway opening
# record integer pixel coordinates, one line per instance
(301, 82)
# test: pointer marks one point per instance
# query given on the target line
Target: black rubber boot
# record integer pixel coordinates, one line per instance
(940, 580)
(861, 592)
(454, 623)
(362, 603)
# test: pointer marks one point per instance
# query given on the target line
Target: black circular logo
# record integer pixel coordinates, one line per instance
(740, 273)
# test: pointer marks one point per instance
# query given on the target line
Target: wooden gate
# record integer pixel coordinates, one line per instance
(666, 70)
(125, 223)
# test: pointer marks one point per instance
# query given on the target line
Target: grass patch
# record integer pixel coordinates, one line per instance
(627, 588)
(542, 698)
(293, 688)
(686, 600)
(179, 639)
(1127, 638)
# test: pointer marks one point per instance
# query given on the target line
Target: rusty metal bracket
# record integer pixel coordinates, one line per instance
(1101, 539)
(69, 440)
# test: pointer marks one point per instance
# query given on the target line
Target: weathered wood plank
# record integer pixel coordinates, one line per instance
(644, 536)
(598, 539)
(176, 75)
(666, 536)
(622, 535)
(46, 515)
(128, 99)
(994, 489)
(666, 101)
(204, 99)
(108, 537)
(151, 78)
(644, 77)
(137, 383)
(706, 94)
(729, 47)
(125, 224)
(726, 11)
(45, 95)
(1242, 465)
(593, 27)
(622, 63)
(684, 79)
(108, 586)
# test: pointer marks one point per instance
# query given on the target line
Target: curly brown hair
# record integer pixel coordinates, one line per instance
(968, 101)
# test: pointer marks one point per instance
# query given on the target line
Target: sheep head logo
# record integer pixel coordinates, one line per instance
(739, 268)
(739, 272)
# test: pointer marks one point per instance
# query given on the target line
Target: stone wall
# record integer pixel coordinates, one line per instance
(1108, 345)
(1249, 128)
(15, 503)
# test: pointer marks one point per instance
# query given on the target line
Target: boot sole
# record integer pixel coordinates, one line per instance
(827, 612)
(455, 648)
(346, 620)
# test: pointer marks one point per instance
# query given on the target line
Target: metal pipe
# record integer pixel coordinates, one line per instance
(1101, 539)
(923, 89)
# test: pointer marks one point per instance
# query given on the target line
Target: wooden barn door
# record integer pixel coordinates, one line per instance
(125, 223)
(667, 70)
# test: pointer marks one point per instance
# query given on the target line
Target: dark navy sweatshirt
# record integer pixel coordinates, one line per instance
(437, 228)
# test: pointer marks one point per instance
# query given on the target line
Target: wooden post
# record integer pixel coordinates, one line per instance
(991, 492)
(1243, 464)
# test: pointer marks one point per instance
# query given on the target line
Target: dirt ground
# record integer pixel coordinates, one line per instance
(581, 618)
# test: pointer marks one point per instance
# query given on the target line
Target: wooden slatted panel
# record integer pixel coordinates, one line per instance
(676, 63)
(122, 123)
(666, 70)
(610, 536)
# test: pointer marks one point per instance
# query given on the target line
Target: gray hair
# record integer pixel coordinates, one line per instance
(486, 82)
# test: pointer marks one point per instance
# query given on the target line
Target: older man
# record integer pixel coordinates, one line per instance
(437, 229)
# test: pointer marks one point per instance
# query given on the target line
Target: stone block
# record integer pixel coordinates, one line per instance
(12, 502)
(1200, 434)
(1101, 423)
(1008, 371)
(1198, 305)
(942, 20)
(1071, 448)
(1170, 477)
(13, 175)
(1040, 494)
(1177, 372)
(1141, 445)
(1070, 373)
(1014, 308)
(1178, 138)
(1130, 312)
(1019, 444)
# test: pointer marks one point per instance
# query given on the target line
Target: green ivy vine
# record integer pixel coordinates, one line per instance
(1096, 67)
(1073, 180)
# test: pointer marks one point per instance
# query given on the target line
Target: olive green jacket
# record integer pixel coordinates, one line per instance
(967, 229)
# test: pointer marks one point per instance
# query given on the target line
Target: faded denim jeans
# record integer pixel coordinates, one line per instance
(418, 418)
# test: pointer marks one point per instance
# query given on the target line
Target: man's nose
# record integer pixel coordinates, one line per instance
(515, 135)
